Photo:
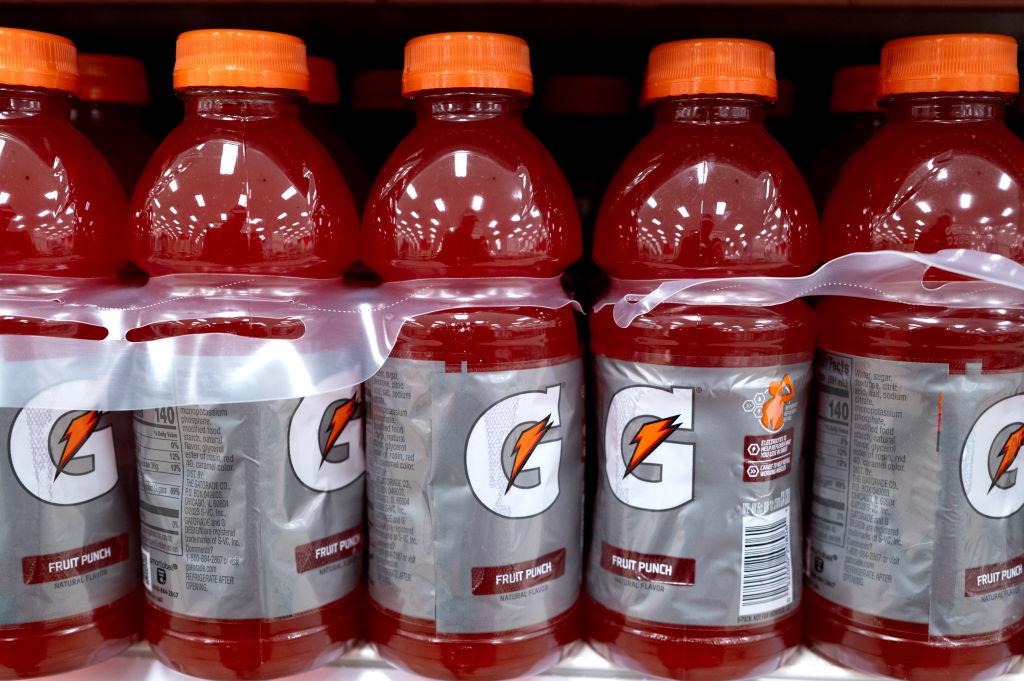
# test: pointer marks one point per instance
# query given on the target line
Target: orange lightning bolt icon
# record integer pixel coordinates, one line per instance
(1009, 454)
(343, 413)
(75, 435)
(525, 444)
(647, 439)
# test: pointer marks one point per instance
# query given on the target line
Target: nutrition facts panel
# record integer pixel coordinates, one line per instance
(161, 479)
(832, 456)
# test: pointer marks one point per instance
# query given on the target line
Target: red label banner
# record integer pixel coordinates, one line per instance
(988, 579)
(648, 567)
(331, 549)
(503, 579)
(53, 567)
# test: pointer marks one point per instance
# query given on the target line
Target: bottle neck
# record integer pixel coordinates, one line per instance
(21, 102)
(945, 108)
(468, 105)
(240, 104)
(710, 109)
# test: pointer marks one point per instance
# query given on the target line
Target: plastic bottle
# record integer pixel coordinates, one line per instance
(381, 115)
(855, 117)
(694, 567)
(235, 585)
(320, 116)
(69, 572)
(917, 539)
(475, 453)
(109, 110)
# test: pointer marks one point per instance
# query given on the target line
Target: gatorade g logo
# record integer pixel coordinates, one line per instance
(990, 463)
(647, 464)
(325, 441)
(62, 457)
(513, 454)
(772, 406)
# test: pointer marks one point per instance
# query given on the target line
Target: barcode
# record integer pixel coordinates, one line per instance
(147, 573)
(767, 579)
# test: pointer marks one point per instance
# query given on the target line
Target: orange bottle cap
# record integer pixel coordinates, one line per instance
(587, 94)
(238, 58)
(854, 89)
(323, 81)
(443, 61)
(378, 90)
(112, 78)
(34, 59)
(965, 62)
(711, 66)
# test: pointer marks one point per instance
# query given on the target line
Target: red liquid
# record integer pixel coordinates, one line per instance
(205, 158)
(48, 167)
(240, 151)
(254, 649)
(62, 214)
(117, 131)
(671, 212)
(723, 142)
(507, 182)
(932, 150)
(58, 646)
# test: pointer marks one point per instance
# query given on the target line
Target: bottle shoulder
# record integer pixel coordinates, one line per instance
(237, 151)
(929, 186)
(707, 200)
(470, 198)
(62, 209)
(258, 196)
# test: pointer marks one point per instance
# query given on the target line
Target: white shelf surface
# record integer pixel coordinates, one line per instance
(363, 664)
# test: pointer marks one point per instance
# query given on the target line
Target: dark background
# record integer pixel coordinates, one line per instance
(811, 39)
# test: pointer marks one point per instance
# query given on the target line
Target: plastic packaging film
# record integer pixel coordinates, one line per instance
(334, 336)
(893, 276)
(313, 336)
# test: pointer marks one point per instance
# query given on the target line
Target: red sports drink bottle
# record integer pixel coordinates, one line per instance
(251, 512)
(694, 566)
(69, 586)
(474, 439)
(113, 95)
(916, 554)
